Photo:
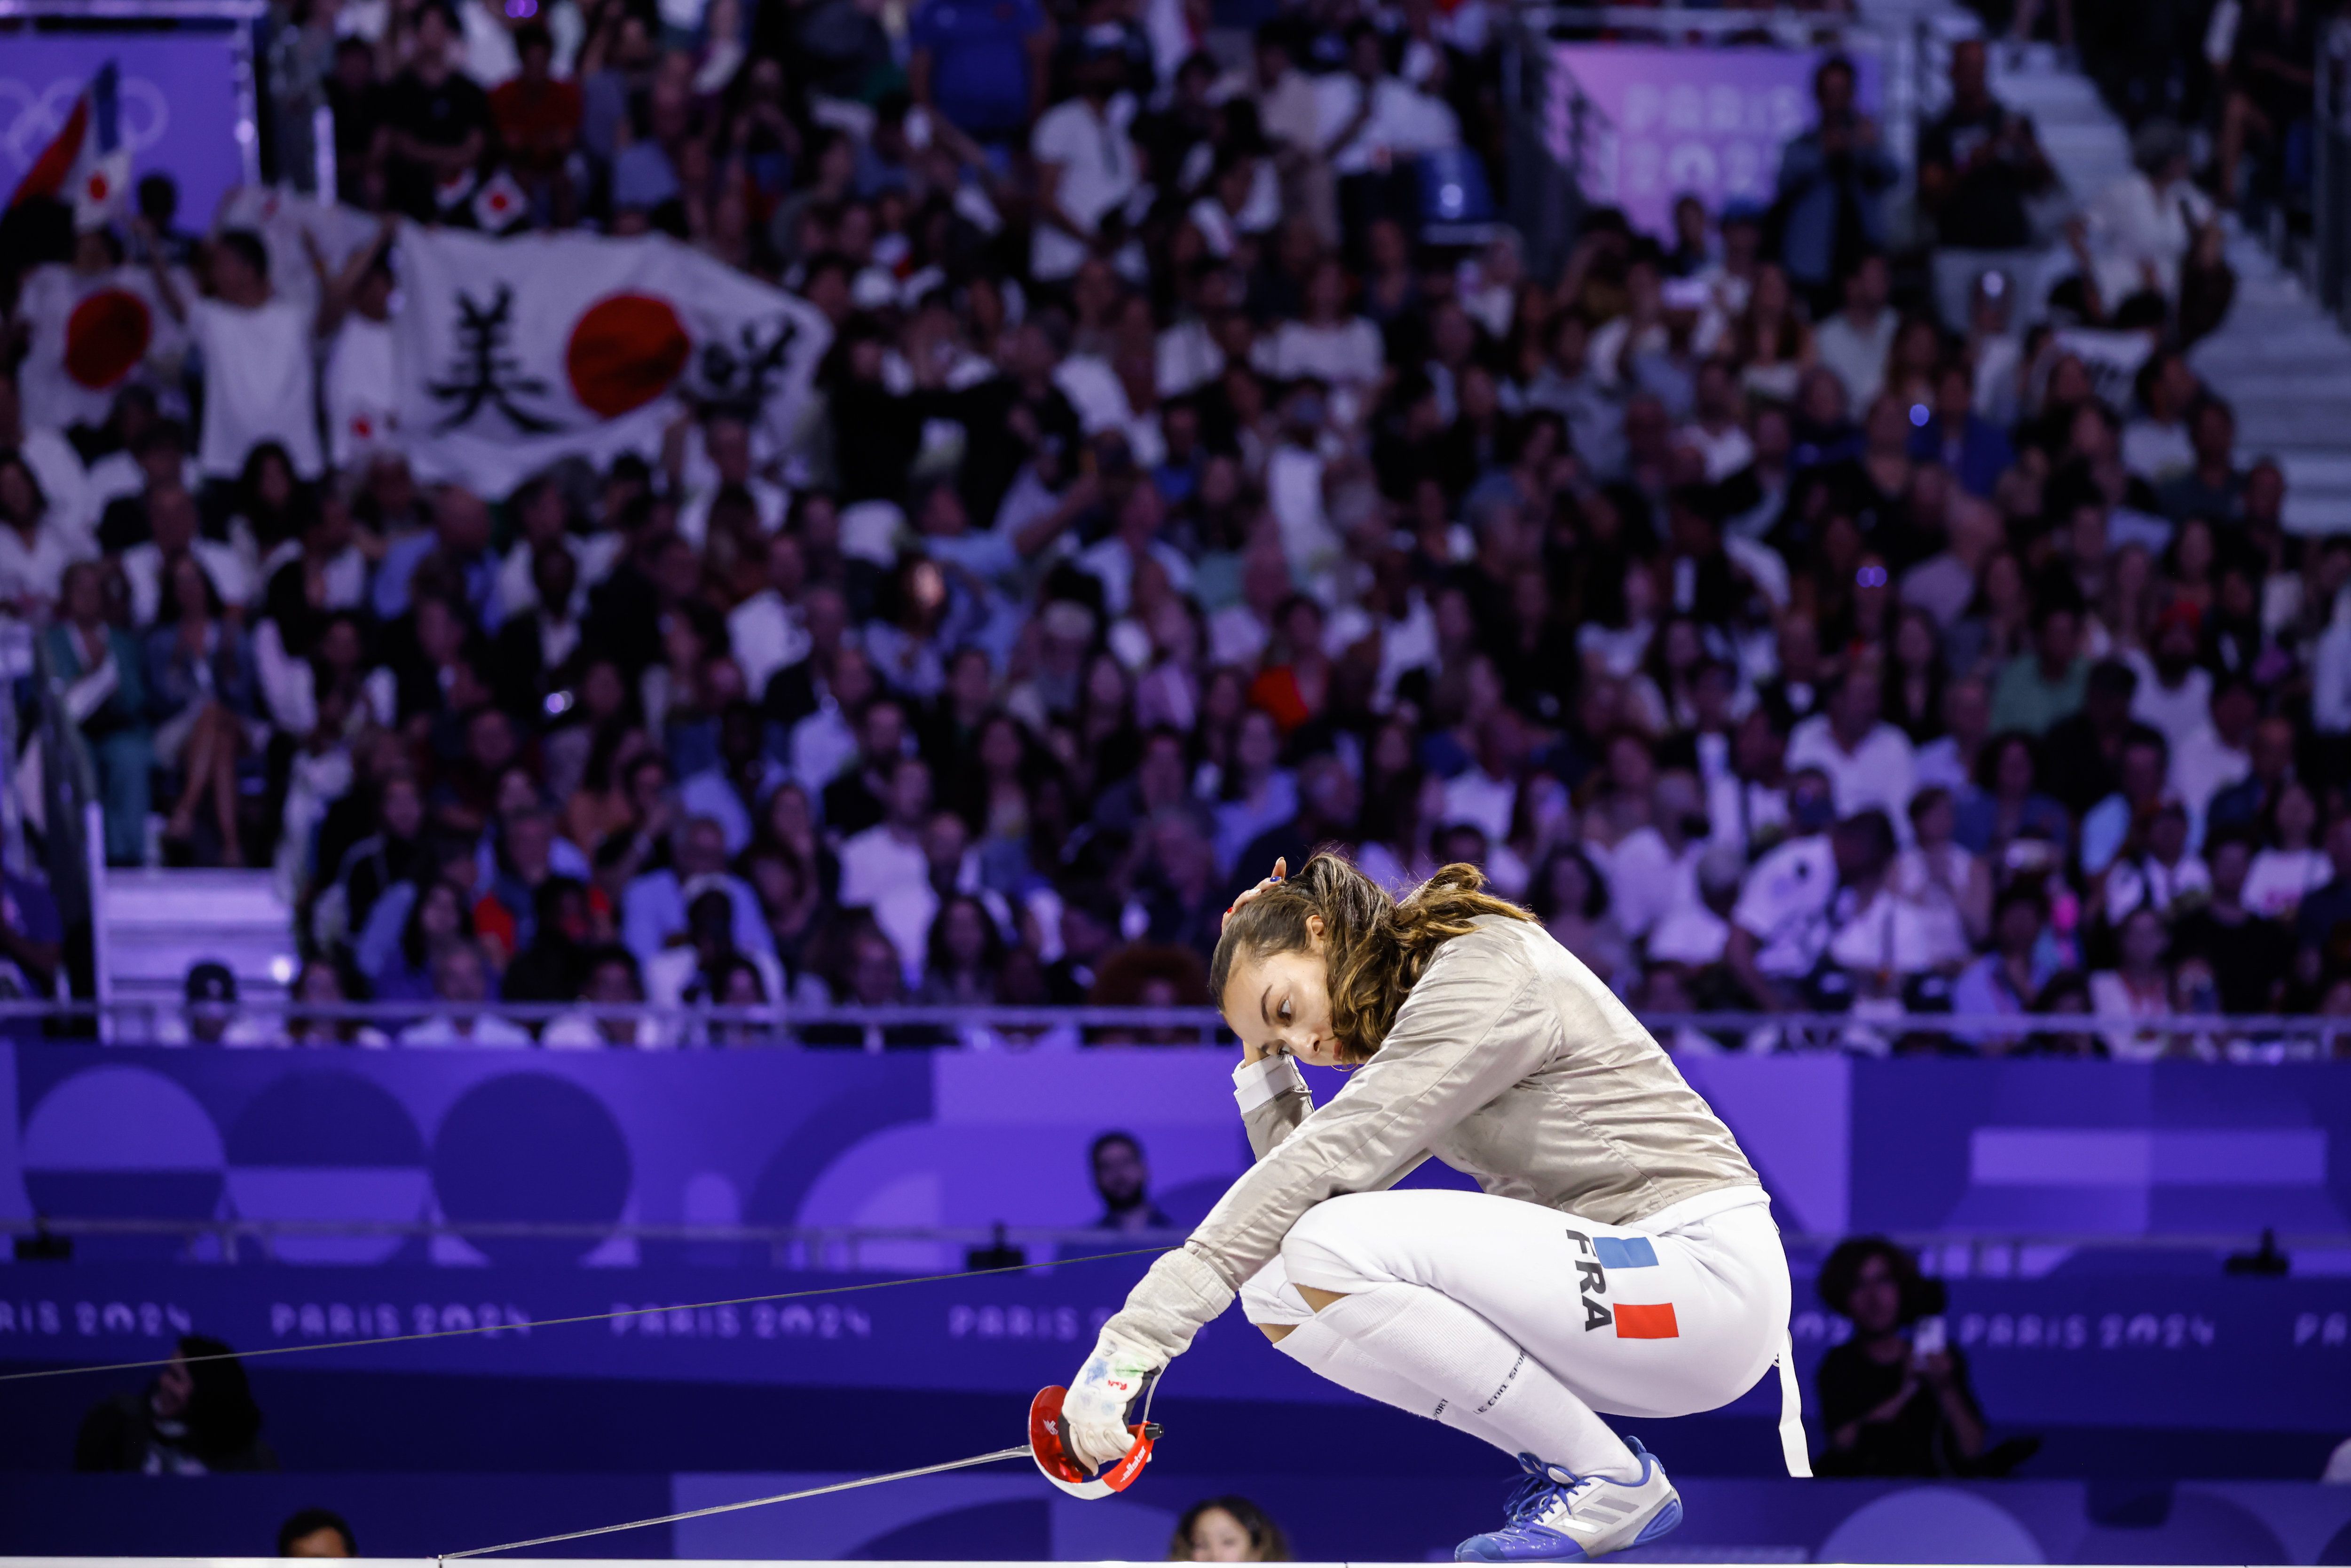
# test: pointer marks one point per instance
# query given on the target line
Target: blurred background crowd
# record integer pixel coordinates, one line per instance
(1796, 616)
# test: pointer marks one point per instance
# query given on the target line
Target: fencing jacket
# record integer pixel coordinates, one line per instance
(1508, 1062)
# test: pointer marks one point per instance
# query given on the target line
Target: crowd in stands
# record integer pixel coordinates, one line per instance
(1793, 621)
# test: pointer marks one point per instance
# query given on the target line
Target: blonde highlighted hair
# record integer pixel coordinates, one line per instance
(1376, 947)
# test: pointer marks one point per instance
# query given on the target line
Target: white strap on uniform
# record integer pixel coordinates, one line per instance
(1792, 1446)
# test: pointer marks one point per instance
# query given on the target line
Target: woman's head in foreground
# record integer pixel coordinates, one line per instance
(1316, 966)
(1228, 1529)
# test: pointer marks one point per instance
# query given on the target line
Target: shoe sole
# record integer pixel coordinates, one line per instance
(1666, 1520)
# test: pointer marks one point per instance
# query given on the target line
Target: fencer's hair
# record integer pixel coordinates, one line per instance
(1376, 947)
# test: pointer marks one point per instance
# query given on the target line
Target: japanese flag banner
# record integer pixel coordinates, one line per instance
(512, 354)
(87, 333)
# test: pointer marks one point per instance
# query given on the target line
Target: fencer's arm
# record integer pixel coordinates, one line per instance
(1273, 1099)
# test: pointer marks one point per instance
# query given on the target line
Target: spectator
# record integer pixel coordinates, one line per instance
(2038, 688)
(984, 69)
(1979, 164)
(2016, 972)
(2137, 990)
(1869, 764)
(1228, 1529)
(1854, 343)
(106, 698)
(1122, 1181)
(437, 124)
(2288, 866)
(316, 1533)
(210, 1017)
(2249, 952)
(201, 698)
(197, 1418)
(1891, 1406)
(1831, 183)
(1572, 900)
(461, 982)
(322, 982)
(257, 345)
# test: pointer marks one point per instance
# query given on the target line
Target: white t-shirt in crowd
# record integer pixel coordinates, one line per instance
(1099, 170)
(258, 384)
(1881, 773)
(2175, 712)
(1857, 355)
(1349, 354)
(143, 569)
(487, 1029)
(360, 412)
(2275, 885)
(37, 568)
(1785, 906)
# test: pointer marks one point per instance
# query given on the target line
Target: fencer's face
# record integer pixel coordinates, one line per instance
(1280, 1004)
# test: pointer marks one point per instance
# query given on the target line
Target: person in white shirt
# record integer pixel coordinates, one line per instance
(360, 416)
(460, 977)
(1797, 897)
(883, 869)
(2216, 752)
(2155, 444)
(51, 459)
(2291, 864)
(36, 547)
(171, 519)
(1344, 352)
(727, 438)
(1855, 341)
(770, 630)
(2137, 990)
(612, 981)
(2174, 695)
(259, 383)
(1868, 762)
(1651, 871)
(1087, 166)
(2136, 231)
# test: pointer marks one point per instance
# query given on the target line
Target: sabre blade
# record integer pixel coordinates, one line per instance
(1021, 1452)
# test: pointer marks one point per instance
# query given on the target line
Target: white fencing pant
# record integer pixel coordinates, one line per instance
(1450, 1293)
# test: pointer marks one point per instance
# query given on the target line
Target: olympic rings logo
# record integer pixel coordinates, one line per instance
(31, 117)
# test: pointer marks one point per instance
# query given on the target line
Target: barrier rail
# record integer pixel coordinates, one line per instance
(147, 1022)
(837, 1246)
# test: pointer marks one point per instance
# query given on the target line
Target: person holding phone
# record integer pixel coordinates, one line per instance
(1894, 1398)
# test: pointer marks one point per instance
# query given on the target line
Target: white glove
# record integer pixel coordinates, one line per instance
(1095, 1414)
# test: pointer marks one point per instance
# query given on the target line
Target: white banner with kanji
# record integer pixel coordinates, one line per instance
(511, 353)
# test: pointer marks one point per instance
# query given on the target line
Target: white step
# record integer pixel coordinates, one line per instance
(160, 923)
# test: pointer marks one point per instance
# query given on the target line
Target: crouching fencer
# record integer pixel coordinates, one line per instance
(1621, 1258)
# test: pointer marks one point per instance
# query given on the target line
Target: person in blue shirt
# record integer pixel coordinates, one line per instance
(983, 65)
(1975, 450)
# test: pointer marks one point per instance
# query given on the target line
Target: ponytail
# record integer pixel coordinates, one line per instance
(1376, 948)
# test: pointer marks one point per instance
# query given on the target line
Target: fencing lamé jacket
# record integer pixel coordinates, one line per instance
(1510, 1062)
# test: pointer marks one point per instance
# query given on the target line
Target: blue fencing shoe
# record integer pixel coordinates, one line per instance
(1555, 1517)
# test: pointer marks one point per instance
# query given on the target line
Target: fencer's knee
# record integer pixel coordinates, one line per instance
(1326, 1247)
(1268, 1301)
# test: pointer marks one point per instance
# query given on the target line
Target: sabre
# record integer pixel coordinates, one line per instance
(1044, 1446)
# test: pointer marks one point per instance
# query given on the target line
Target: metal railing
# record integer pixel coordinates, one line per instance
(2329, 260)
(1862, 1030)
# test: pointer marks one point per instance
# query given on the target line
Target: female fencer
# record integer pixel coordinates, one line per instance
(1621, 1257)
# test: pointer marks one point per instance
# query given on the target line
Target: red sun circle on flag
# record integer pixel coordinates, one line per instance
(625, 352)
(106, 337)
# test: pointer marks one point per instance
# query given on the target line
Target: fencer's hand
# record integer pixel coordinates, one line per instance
(1094, 1413)
(1280, 871)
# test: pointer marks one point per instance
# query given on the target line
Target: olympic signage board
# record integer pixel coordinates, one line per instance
(179, 106)
(1662, 123)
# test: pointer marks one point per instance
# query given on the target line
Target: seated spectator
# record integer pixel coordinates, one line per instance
(2137, 990)
(689, 972)
(1228, 1529)
(320, 982)
(609, 980)
(211, 1016)
(963, 956)
(2038, 688)
(1890, 1405)
(201, 698)
(1122, 1181)
(1571, 899)
(2248, 950)
(2013, 975)
(1869, 763)
(316, 1533)
(2155, 869)
(196, 1419)
(652, 910)
(461, 981)
(2006, 805)
(2288, 866)
(106, 699)
(36, 544)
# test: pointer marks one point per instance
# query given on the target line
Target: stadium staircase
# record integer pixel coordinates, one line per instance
(160, 923)
(2283, 363)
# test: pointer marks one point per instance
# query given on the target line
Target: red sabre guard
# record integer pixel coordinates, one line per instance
(1045, 1446)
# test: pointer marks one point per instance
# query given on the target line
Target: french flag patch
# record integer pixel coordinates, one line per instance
(1635, 1321)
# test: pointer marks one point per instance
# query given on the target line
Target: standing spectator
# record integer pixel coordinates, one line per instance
(537, 119)
(1086, 166)
(437, 123)
(1832, 181)
(198, 1417)
(982, 68)
(260, 379)
(1979, 163)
